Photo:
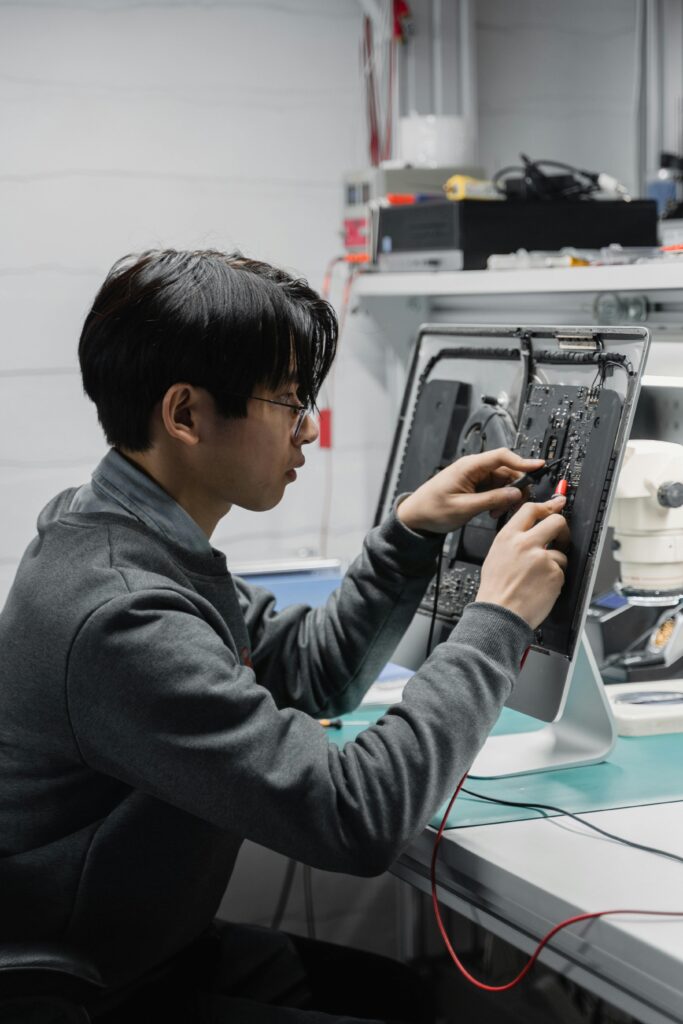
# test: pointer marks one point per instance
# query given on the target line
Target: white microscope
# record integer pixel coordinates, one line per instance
(647, 518)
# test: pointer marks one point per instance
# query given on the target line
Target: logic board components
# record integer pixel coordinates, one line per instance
(578, 425)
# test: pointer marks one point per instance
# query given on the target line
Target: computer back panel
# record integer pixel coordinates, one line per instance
(552, 393)
(578, 425)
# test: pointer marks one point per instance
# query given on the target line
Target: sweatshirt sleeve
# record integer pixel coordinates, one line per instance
(158, 700)
(323, 660)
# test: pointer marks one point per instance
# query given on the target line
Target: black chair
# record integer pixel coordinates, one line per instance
(35, 974)
(50, 974)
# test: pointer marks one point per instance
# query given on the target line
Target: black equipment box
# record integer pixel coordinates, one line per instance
(435, 235)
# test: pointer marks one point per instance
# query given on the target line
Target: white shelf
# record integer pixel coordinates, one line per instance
(636, 278)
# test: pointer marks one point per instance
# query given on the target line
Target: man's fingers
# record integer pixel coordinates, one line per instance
(551, 530)
(496, 501)
(487, 462)
(559, 558)
(503, 475)
(533, 512)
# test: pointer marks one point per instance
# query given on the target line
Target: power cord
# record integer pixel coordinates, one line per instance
(529, 182)
(576, 817)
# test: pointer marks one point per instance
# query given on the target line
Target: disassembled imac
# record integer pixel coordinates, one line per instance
(564, 394)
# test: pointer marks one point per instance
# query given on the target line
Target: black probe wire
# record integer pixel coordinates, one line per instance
(308, 901)
(286, 891)
(576, 817)
(436, 596)
(284, 894)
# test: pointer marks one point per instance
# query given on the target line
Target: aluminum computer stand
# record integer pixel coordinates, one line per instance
(583, 733)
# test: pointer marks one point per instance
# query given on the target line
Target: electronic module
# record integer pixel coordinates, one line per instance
(575, 427)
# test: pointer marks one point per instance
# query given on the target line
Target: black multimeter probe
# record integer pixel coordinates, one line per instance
(534, 475)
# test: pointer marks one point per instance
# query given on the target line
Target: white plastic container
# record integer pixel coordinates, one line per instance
(435, 141)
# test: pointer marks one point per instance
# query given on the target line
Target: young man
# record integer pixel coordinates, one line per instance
(156, 711)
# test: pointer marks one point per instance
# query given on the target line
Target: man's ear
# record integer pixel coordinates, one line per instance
(179, 413)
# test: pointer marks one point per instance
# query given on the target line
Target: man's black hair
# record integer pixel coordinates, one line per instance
(216, 320)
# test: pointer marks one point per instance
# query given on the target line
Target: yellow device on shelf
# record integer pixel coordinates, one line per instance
(461, 186)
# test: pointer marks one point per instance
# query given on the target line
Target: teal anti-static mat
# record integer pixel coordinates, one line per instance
(640, 770)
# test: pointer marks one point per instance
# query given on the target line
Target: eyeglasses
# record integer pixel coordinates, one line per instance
(302, 411)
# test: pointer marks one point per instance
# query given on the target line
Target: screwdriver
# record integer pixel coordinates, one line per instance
(338, 723)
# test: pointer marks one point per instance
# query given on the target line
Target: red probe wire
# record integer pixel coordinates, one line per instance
(543, 942)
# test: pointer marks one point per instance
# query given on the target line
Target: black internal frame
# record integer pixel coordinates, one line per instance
(584, 425)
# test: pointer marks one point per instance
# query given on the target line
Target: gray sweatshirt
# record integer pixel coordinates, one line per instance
(155, 712)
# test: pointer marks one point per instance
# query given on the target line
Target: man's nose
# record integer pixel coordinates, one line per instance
(310, 430)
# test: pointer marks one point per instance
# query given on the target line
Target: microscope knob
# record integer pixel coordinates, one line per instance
(670, 494)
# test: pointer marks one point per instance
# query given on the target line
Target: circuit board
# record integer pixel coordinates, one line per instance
(558, 423)
(578, 425)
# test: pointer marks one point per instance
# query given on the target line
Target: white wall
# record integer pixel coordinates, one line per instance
(134, 124)
(130, 125)
(144, 124)
(558, 80)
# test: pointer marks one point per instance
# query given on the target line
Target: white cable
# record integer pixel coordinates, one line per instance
(639, 168)
(437, 62)
(372, 10)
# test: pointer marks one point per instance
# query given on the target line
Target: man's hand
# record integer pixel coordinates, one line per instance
(473, 484)
(520, 571)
